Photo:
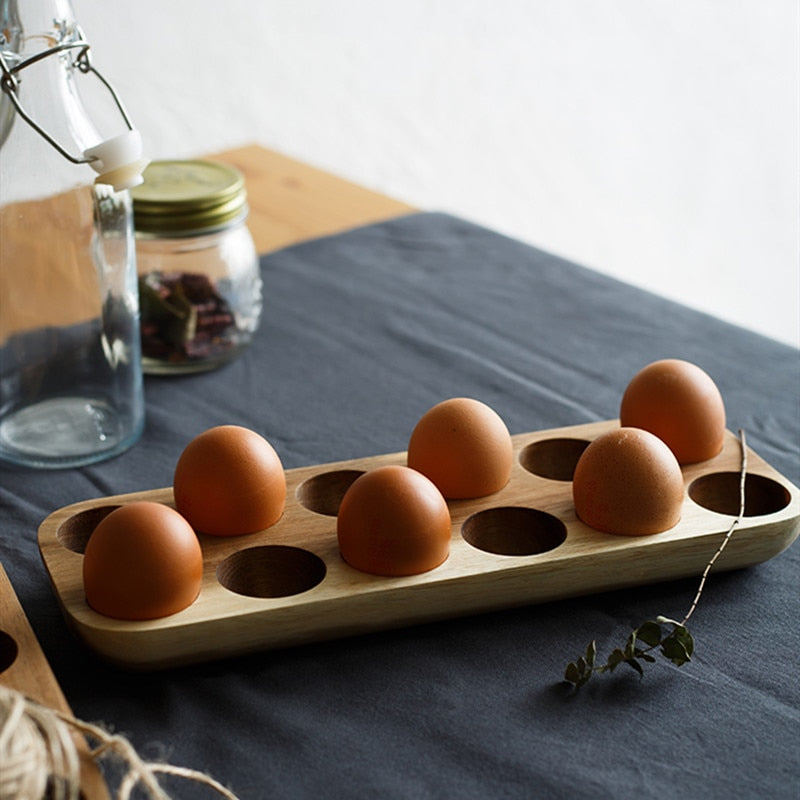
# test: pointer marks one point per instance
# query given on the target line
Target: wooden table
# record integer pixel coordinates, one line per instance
(291, 201)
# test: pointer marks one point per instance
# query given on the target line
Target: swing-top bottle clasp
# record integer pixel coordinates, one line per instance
(118, 161)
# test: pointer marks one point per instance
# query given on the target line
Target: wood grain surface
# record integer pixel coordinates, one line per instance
(44, 278)
(24, 668)
(291, 201)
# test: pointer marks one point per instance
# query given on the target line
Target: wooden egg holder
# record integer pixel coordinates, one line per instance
(289, 584)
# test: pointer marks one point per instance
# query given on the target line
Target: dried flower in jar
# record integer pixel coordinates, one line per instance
(184, 317)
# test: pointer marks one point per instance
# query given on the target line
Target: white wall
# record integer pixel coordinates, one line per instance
(655, 141)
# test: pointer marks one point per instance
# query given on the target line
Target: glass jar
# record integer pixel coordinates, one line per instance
(199, 278)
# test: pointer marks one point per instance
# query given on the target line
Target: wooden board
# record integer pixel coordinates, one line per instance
(24, 668)
(321, 597)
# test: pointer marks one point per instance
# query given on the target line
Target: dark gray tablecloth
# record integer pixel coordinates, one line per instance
(363, 332)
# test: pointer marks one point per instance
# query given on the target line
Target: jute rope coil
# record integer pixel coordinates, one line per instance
(39, 758)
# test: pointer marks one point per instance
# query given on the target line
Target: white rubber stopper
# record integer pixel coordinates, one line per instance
(118, 160)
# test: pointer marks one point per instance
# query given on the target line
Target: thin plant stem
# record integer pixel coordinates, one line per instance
(677, 645)
(731, 529)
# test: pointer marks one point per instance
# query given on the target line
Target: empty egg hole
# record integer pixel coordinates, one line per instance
(271, 571)
(324, 492)
(514, 531)
(74, 533)
(553, 458)
(8, 650)
(720, 492)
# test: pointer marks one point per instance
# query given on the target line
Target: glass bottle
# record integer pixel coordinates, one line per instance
(70, 373)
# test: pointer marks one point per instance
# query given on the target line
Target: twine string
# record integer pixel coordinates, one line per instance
(39, 757)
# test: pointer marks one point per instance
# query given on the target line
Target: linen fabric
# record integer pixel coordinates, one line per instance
(362, 333)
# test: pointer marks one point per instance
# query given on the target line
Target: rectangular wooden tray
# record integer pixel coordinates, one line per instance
(289, 585)
(24, 669)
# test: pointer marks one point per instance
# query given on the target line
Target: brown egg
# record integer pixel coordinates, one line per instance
(679, 403)
(142, 561)
(464, 447)
(393, 521)
(628, 482)
(229, 481)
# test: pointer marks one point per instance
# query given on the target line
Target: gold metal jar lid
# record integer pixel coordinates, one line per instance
(180, 198)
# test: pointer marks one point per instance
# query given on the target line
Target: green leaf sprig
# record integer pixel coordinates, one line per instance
(662, 635)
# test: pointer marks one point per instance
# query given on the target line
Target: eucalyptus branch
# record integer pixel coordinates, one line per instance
(671, 638)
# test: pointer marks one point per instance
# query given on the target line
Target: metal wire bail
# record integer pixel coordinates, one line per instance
(10, 85)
